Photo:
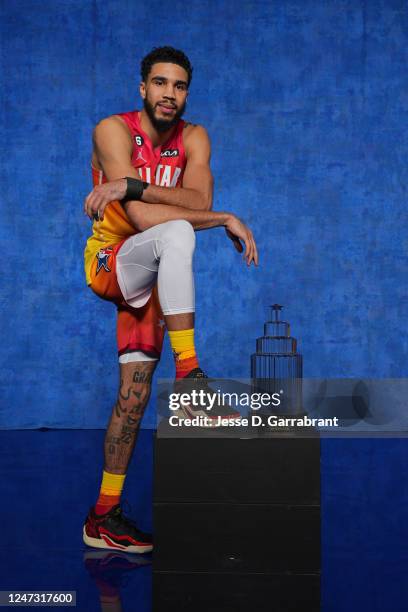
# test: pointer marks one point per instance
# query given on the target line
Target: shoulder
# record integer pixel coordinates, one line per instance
(111, 130)
(195, 138)
(111, 126)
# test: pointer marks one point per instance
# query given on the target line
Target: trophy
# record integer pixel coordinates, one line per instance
(276, 367)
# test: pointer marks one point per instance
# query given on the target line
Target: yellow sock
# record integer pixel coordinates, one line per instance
(111, 489)
(182, 343)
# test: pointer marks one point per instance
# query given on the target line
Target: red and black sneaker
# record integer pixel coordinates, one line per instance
(211, 414)
(115, 531)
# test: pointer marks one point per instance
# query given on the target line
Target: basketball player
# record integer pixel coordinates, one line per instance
(152, 188)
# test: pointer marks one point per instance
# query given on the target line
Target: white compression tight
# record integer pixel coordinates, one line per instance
(162, 254)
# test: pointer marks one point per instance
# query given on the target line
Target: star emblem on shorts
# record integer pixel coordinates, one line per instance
(103, 258)
(161, 323)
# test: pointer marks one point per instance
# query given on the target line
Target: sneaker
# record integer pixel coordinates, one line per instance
(114, 531)
(209, 415)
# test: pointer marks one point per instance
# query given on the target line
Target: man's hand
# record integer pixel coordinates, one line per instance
(237, 231)
(101, 195)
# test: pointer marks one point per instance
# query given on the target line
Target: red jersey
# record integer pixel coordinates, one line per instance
(162, 165)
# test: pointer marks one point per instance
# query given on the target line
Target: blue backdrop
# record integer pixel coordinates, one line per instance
(306, 104)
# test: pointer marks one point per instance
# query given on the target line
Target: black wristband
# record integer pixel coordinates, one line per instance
(134, 189)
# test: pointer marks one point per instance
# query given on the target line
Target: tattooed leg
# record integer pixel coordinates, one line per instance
(121, 435)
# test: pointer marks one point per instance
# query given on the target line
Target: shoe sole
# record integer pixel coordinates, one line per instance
(109, 544)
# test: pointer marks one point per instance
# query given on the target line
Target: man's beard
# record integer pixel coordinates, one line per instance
(162, 125)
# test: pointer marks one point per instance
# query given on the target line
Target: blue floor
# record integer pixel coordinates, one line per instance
(50, 478)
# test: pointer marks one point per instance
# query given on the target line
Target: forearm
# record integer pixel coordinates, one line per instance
(177, 196)
(143, 216)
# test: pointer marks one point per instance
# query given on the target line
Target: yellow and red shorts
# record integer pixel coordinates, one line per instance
(138, 329)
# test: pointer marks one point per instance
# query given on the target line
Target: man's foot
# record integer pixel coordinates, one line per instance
(114, 531)
(209, 406)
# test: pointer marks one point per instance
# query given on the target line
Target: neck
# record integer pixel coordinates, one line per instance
(157, 138)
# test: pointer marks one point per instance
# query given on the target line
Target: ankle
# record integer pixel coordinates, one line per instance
(184, 366)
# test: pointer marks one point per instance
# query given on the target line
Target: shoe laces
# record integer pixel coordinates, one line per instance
(197, 373)
(125, 507)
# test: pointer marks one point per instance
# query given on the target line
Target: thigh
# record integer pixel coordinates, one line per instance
(103, 274)
(126, 272)
(137, 264)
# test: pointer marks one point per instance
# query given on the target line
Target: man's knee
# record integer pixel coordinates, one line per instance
(180, 233)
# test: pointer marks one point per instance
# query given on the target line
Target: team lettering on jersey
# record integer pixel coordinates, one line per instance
(165, 176)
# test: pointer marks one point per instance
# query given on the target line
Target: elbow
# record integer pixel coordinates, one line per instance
(209, 197)
(207, 203)
(202, 200)
(135, 215)
(140, 226)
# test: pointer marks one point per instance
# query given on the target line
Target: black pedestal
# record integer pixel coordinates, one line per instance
(236, 523)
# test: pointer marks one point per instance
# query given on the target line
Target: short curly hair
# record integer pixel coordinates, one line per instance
(165, 54)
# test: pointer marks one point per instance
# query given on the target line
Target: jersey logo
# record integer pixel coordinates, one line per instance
(140, 156)
(170, 153)
(139, 140)
(103, 258)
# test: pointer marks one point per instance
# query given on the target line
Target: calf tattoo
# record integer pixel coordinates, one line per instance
(127, 434)
(112, 442)
(132, 421)
(121, 394)
(134, 392)
(142, 376)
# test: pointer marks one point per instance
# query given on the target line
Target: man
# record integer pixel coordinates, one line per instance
(153, 188)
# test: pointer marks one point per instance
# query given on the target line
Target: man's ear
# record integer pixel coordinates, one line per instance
(142, 89)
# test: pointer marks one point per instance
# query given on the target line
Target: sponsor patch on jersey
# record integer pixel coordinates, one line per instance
(103, 258)
(170, 153)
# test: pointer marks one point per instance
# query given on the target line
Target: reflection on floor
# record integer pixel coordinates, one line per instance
(50, 478)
